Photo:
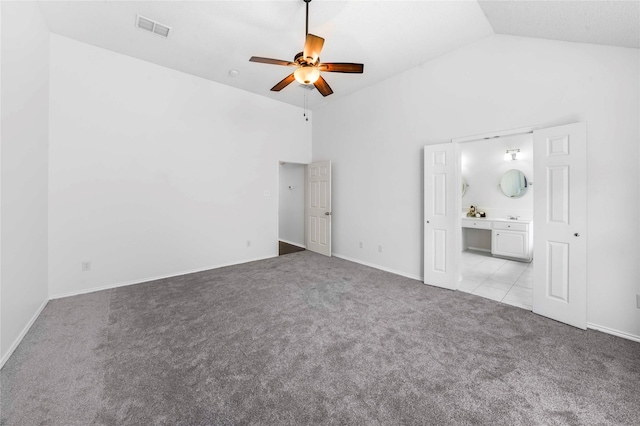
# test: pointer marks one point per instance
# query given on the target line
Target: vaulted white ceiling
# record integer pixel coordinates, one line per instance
(615, 23)
(210, 38)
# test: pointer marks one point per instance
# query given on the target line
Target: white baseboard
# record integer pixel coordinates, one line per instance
(382, 268)
(618, 333)
(159, 277)
(293, 244)
(24, 331)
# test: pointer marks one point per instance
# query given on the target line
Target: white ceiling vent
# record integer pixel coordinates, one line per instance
(153, 26)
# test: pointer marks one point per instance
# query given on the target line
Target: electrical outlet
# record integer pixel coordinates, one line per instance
(379, 249)
(86, 266)
(267, 193)
(361, 244)
(248, 243)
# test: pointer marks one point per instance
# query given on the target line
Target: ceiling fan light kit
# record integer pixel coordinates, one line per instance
(307, 74)
(308, 65)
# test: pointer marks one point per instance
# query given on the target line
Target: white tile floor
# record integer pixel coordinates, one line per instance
(506, 281)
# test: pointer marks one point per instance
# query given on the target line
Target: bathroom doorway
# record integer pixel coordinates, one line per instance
(496, 264)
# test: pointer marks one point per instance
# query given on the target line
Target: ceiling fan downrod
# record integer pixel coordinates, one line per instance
(306, 28)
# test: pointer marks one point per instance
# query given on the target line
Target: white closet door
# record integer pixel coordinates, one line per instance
(441, 219)
(560, 218)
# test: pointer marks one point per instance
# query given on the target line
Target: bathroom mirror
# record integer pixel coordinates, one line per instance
(464, 186)
(513, 183)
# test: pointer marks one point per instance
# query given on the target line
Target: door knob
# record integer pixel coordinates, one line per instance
(327, 213)
(576, 234)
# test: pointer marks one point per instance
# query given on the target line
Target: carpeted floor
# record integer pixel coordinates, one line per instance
(305, 339)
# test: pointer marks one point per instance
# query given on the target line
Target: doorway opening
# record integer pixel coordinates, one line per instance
(291, 204)
(496, 263)
(304, 207)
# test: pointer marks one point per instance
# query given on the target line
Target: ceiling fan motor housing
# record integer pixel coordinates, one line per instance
(302, 61)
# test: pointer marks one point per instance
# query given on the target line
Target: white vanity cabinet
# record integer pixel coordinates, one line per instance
(509, 238)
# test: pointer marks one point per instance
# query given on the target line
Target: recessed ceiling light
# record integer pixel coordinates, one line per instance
(234, 73)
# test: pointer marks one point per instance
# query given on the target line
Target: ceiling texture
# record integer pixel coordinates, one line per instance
(210, 38)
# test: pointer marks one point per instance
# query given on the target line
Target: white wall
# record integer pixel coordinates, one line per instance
(25, 110)
(375, 138)
(483, 165)
(291, 203)
(154, 172)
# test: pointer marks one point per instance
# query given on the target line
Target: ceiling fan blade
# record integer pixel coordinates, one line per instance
(341, 67)
(283, 83)
(272, 61)
(323, 87)
(312, 48)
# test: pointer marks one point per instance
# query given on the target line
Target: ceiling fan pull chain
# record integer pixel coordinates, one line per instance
(305, 103)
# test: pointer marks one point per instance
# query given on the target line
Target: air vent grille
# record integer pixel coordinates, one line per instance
(152, 26)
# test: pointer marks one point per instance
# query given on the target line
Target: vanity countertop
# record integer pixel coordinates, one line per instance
(497, 219)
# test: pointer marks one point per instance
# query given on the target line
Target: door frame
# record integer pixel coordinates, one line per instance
(304, 196)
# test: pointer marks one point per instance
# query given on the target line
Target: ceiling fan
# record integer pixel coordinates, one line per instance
(308, 64)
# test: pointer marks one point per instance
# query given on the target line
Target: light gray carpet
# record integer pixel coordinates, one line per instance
(305, 339)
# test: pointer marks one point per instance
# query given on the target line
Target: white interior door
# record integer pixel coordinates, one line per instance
(318, 211)
(560, 218)
(440, 215)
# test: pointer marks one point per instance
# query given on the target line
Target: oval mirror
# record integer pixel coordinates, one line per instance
(464, 186)
(513, 183)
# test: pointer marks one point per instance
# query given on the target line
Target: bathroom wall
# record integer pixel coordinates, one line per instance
(483, 164)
